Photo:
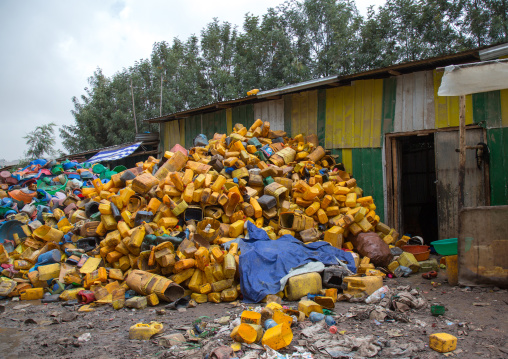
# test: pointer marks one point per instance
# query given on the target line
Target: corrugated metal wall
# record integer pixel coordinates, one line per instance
(207, 123)
(367, 168)
(354, 115)
(504, 107)
(173, 132)
(497, 140)
(243, 114)
(271, 111)
(487, 109)
(302, 108)
(192, 129)
(447, 107)
(414, 108)
(214, 122)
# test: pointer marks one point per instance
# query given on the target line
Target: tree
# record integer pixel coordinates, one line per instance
(41, 141)
(217, 49)
(296, 41)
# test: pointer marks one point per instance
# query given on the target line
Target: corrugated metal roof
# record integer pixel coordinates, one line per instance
(393, 70)
(298, 87)
(202, 109)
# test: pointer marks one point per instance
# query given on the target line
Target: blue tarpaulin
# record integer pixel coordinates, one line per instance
(264, 262)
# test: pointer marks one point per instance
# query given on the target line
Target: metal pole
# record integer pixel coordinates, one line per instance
(133, 109)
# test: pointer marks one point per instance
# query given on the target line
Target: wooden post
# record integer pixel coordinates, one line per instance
(160, 107)
(462, 172)
(134, 110)
(462, 149)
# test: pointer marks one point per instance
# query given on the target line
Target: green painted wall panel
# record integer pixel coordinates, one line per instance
(389, 98)
(487, 109)
(243, 114)
(287, 114)
(321, 117)
(498, 145)
(337, 152)
(368, 171)
(192, 129)
(214, 122)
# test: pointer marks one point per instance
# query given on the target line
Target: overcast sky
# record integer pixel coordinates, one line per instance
(49, 49)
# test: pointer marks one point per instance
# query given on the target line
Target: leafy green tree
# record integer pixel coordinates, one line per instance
(40, 141)
(217, 51)
(296, 41)
(484, 21)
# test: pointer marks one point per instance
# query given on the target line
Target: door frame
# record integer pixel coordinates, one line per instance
(392, 152)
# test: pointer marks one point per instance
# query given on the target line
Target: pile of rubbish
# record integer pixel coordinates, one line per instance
(304, 330)
(227, 219)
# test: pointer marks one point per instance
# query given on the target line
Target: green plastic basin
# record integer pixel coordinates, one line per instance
(448, 247)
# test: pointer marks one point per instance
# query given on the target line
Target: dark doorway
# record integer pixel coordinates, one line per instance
(418, 200)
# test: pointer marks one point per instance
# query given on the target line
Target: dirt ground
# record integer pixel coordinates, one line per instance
(476, 316)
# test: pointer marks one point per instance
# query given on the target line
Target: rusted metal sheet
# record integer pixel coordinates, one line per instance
(304, 106)
(447, 172)
(414, 107)
(354, 115)
(447, 107)
(272, 111)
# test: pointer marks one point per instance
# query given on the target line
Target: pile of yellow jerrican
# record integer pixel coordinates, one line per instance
(139, 217)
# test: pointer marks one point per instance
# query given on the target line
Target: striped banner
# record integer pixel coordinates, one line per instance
(115, 154)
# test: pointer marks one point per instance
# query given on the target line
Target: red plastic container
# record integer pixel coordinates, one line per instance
(421, 253)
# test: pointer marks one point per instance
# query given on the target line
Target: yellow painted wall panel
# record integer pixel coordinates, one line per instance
(347, 159)
(377, 113)
(447, 107)
(358, 112)
(181, 124)
(348, 127)
(165, 129)
(504, 107)
(354, 114)
(304, 113)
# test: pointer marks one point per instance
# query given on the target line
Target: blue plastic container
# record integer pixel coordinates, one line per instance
(316, 317)
(269, 323)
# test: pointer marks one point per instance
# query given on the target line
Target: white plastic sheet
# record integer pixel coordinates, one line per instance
(473, 78)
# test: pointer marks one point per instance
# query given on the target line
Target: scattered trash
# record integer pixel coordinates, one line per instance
(141, 331)
(85, 337)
